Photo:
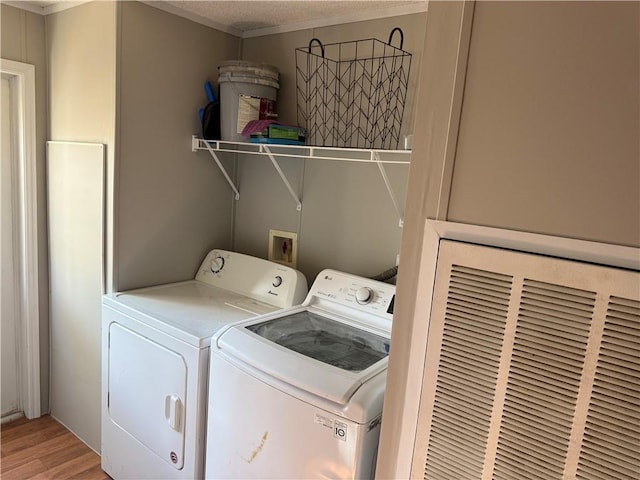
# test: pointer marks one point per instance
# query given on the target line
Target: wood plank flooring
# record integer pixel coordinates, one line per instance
(42, 449)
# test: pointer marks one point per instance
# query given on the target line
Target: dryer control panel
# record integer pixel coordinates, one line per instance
(254, 277)
(363, 294)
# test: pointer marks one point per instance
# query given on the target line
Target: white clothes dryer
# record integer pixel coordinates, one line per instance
(155, 357)
(298, 394)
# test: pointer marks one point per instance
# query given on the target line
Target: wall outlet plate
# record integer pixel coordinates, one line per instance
(283, 247)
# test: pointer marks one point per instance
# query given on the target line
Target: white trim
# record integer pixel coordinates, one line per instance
(22, 76)
(62, 6)
(562, 247)
(11, 417)
(580, 250)
(35, 7)
(416, 351)
(29, 6)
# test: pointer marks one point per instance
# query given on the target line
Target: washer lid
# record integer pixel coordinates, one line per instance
(326, 356)
(324, 339)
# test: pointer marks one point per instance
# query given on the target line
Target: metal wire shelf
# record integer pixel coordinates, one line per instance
(370, 156)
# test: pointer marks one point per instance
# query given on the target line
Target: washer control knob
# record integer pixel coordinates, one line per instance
(217, 264)
(277, 281)
(364, 295)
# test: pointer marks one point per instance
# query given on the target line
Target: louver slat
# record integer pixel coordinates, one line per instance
(544, 381)
(606, 436)
(523, 439)
(517, 463)
(486, 319)
(462, 323)
(532, 353)
(474, 323)
(544, 377)
(611, 444)
(550, 331)
(617, 418)
(552, 406)
(463, 402)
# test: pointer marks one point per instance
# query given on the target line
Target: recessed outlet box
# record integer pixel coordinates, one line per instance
(283, 247)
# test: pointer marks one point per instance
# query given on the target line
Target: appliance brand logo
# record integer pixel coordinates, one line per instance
(340, 430)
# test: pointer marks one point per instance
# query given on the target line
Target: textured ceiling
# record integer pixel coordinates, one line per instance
(257, 14)
(256, 17)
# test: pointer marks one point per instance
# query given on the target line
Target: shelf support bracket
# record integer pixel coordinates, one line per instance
(214, 155)
(276, 165)
(387, 183)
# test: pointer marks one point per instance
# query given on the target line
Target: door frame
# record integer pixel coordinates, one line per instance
(22, 79)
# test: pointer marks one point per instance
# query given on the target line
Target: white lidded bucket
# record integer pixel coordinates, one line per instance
(248, 91)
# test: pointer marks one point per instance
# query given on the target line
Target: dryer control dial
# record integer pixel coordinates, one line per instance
(217, 264)
(364, 295)
(277, 281)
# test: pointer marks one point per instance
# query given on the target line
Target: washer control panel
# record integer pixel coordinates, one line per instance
(364, 295)
(360, 293)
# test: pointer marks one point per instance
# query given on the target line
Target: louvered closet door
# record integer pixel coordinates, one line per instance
(532, 369)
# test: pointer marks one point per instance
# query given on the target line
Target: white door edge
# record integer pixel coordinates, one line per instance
(22, 77)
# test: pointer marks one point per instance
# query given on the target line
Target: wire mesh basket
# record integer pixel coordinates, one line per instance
(352, 94)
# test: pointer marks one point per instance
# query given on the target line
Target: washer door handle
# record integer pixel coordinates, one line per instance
(173, 411)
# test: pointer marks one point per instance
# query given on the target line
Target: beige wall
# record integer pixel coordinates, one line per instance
(173, 205)
(549, 129)
(23, 40)
(347, 221)
(81, 52)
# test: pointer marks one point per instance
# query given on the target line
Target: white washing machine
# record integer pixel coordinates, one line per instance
(298, 394)
(155, 358)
